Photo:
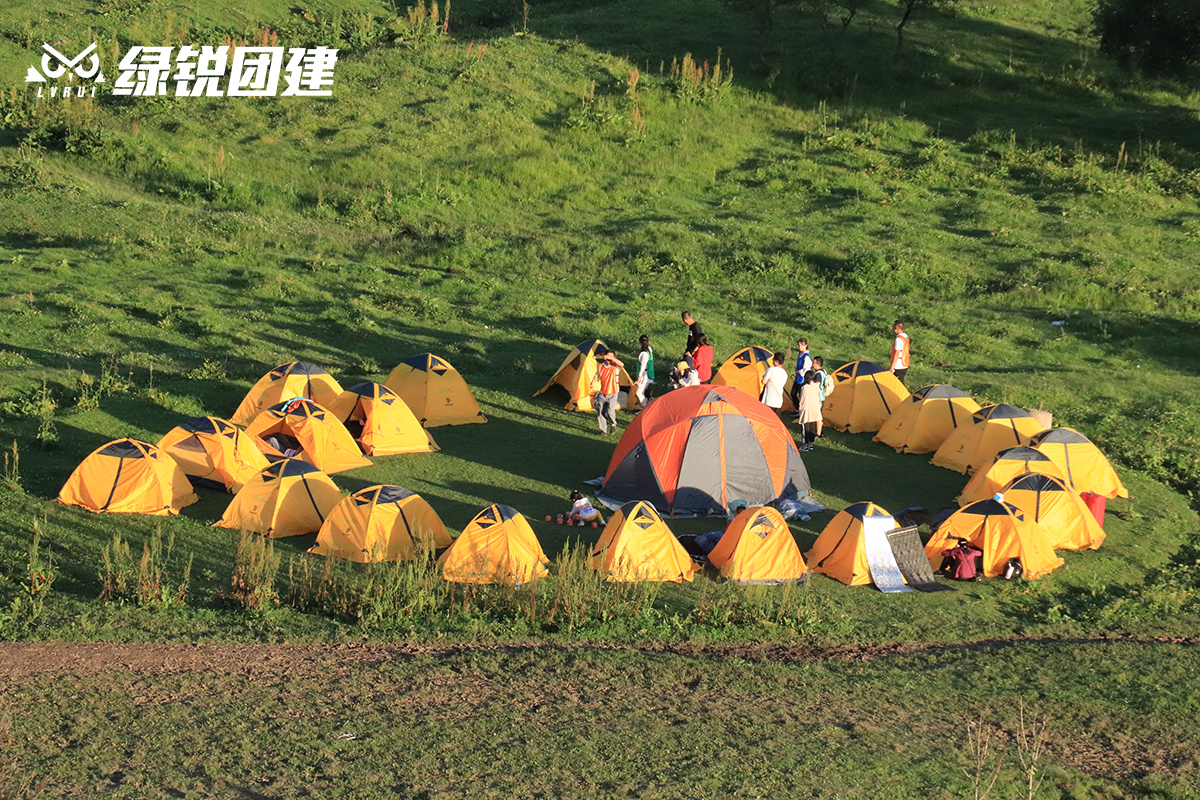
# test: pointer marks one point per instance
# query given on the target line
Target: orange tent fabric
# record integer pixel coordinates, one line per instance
(637, 545)
(385, 425)
(434, 391)
(1011, 463)
(758, 547)
(380, 523)
(288, 498)
(1002, 531)
(324, 442)
(213, 451)
(577, 374)
(922, 422)
(497, 546)
(839, 551)
(294, 379)
(128, 476)
(994, 428)
(1054, 505)
(1081, 461)
(865, 396)
(745, 369)
(695, 450)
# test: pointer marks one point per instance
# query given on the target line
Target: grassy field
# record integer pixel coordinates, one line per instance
(500, 189)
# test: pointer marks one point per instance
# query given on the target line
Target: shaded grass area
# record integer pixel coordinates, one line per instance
(299, 722)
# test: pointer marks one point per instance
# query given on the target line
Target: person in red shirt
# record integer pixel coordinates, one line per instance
(608, 380)
(702, 357)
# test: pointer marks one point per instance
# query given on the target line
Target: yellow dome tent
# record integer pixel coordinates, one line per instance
(434, 391)
(128, 476)
(384, 424)
(497, 546)
(1011, 463)
(840, 551)
(322, 440)
(1081, 461)
(577, 374)
(380, 523)
(994, 428)
(922, 422)
(294, 379)
(1002, 531)
(213, 452)
(637, 545)
(865, 396)
(758, 547)
(745, 369)
(288, 498)
(1054, 505)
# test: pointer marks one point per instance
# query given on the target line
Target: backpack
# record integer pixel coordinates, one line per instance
(963, 562)
(827, 383)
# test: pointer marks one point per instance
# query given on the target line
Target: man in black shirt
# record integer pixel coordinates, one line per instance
(694, 332)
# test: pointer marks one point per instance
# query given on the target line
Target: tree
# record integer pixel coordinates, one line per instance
(1155, 37)
(909, 7)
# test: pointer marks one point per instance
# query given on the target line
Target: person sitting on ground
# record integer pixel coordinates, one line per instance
(582, 510)
(809, 409)
(773, 381)
(608, 384)
(683, 374)
(702, 357)
(645, 376)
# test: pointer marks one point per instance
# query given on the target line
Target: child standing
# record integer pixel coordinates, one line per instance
(809, 412)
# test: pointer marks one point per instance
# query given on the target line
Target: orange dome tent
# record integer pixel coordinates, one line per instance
(380, 523)
(1054, 505)
(497, 546)
(577, 374)
(1011, 463)
(758, 547)
(994, 428)
(385, 425)
(695, 450)
(288, 498)
(434, 391)
(1002, 531)
(840, 551)
(922, 422)
(637, 545)
(294, 379)
(323, 441)
(745, 369)
(213, 452)
(865, 396)
(128, 476)
(1081, 461)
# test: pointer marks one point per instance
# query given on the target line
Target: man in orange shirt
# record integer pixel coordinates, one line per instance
(608, 375)
(899, 361)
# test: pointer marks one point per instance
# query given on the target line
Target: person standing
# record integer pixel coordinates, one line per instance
(645, 375)
(809, 409)
(773, 381)
(900, 351)
(694, 332)
(804, 362)
(702, 357)
(608, 374)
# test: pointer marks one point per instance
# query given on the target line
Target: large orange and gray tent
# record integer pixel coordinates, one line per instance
(1081, 461)
(1011, 463)
(840, 551)
(758, 547)
(697, 449)
(213, 452)
(498, 546)
(289, 498)
(1002, 531)
(384, 423)
(865, 395)
(924, 420)
(380, 523)
(294, 379)
(577, 374)
(128, 476)
(434, 391)
(324, 441)
(1054, 505)
(745, 369)
(994, 428)
(637, 545)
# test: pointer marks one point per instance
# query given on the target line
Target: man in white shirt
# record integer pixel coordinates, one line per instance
(900, 352)
(773, 381)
